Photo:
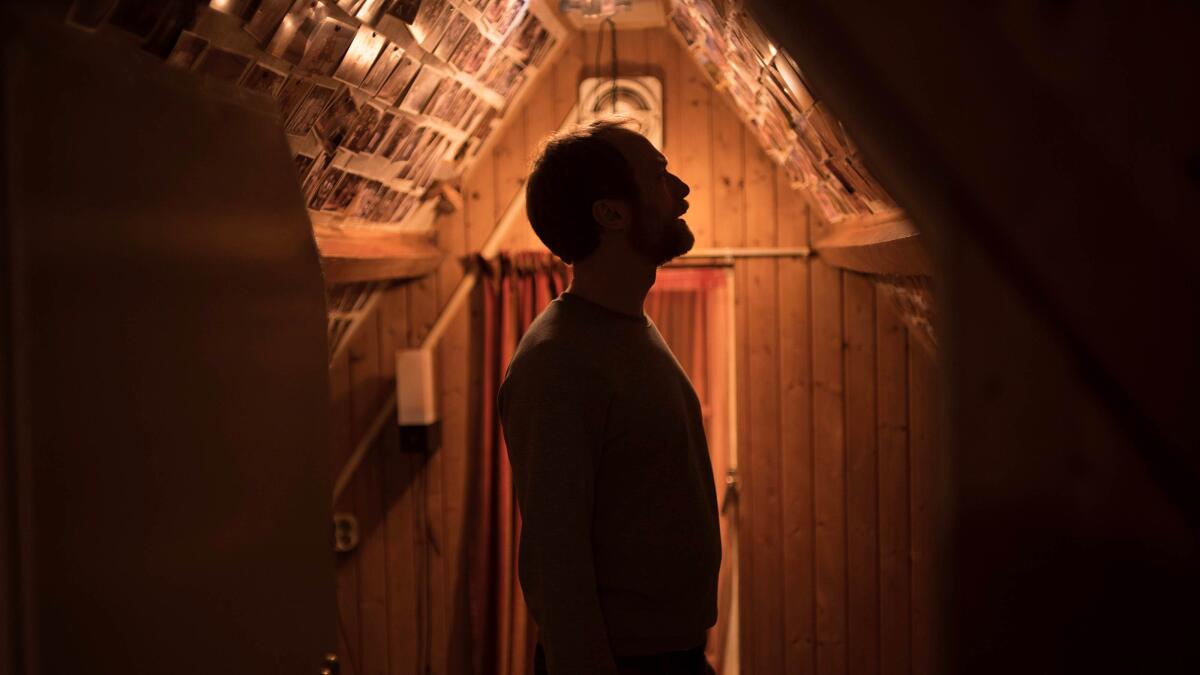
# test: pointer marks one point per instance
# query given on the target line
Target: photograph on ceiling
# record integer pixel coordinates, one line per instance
(421, 90)
(291, 37)
(324, 187)
(293, 91)
(401, 130)
(455, 30)
(333, 123)
(266, 19)
(343, 193)
(222, 64)
(471, 52)
(328, 44)
(397, 84)
(384, 66)
(308, 109)
(264, 79)
(363, 51)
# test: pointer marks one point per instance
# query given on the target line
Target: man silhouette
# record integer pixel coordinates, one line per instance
(620, 543)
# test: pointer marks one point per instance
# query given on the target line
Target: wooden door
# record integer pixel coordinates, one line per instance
(166, 395)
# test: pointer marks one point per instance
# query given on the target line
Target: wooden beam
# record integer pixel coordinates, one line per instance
(882, 243)
(366, 255)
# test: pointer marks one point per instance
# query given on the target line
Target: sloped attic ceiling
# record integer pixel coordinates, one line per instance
(767, 88)
(380, 99)
(387, 102)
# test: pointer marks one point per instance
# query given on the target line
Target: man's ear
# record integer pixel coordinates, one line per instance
(611, 214)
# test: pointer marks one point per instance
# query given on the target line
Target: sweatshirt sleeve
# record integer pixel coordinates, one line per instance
(553, 420)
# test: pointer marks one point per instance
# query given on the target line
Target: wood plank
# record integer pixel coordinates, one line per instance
(922, 393)
(762, 227)
(891, 376)
(364, 255)
(422, 312)
(403, 545)
(764, 456)
(660, 47)
(342, 439)
(452, 410)
(366, 395)
(796, 475)
(862, 498)
(883, 243)
(692, 154)
(794, 212)
(747, 583)
(729, 176)
(510, 168)
(632, 51)
(453, 400)
(480, 193)
(567, 74)
(829, 469)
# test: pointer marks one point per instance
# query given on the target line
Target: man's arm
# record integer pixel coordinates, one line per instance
(554, 425)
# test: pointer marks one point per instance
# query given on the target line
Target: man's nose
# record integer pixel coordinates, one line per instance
(682, 188)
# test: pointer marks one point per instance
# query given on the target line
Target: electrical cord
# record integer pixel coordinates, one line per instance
(612, 26)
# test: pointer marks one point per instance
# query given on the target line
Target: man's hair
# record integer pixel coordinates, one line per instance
(573, 170)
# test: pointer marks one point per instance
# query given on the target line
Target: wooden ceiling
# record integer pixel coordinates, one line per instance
(766, 87)
(386, 103)
(381, 100)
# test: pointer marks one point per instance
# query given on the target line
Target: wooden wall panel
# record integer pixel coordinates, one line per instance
(829, 469)
(366, 395)
(795, 441)
(862, 525)
(891, 377)
(922, 393)
(728, 195)
(343, 444)
(835, 438)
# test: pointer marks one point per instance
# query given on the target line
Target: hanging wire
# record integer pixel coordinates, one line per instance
(613, 29)
(612, 26)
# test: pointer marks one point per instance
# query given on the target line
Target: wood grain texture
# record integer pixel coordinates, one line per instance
(764, 422)
(829, 469)
(862, 509)
(728, 194)
(748, 583)
(366, 394)
(796, 455)
(343, 444)
(922, 518)
(891, 377)
(404, 545)
(691, 155)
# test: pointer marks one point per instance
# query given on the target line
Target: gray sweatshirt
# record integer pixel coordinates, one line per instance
(620, 541)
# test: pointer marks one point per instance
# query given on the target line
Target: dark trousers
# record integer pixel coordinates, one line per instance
(687, 662)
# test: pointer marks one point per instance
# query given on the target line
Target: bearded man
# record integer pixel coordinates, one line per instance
(620, 543)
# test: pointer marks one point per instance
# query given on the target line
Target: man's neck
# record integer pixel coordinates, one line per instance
(622, 291)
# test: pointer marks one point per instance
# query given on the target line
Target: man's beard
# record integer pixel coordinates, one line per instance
(661, 242)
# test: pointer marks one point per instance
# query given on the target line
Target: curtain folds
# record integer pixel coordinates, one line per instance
(512, 290)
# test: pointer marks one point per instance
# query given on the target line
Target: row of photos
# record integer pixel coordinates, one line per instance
(765, 84)
(374, 93)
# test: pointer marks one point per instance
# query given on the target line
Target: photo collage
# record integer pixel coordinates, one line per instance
(765, 85)
(376, 96)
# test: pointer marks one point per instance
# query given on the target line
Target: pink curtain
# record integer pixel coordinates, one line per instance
(514, 288)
